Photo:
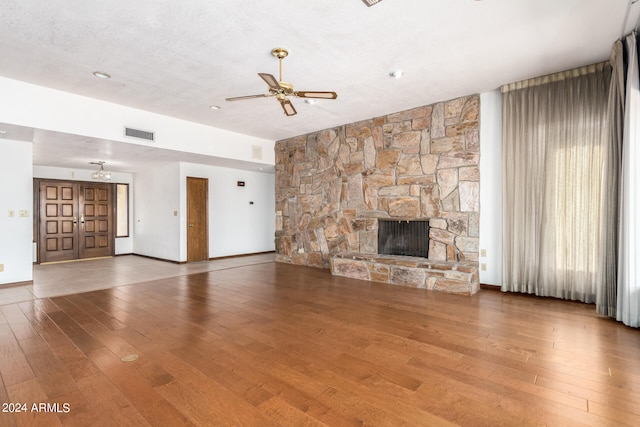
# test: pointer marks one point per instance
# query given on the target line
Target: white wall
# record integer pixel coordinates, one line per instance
(44, 108)
(16, 233)
(157, 213)
(491, 187)
(124, 245)
(235, 225)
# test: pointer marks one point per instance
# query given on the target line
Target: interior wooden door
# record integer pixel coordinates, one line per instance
(197, 219)
(95, 225)
(58, 231)
(75, 220)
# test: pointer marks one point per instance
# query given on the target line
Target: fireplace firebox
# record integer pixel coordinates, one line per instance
(403, 237)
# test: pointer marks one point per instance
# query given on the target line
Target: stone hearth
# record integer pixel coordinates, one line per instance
(452, 277)
(333, 185)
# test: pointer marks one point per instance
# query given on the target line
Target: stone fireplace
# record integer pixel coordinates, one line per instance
(333, 186)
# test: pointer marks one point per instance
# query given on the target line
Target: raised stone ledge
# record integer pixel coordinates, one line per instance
(456, 277)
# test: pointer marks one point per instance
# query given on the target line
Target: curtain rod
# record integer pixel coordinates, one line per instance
(555, 77)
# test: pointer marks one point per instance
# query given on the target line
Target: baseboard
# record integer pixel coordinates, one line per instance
(16, 284)
(210, 259)
(241, 255)
(75, 260)
(490, 287)
(160, 259)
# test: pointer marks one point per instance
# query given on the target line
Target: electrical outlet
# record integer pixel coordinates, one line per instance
(23, 213)
(483, 267)
(483, 252)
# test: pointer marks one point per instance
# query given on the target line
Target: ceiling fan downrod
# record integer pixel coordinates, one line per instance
(280, 53)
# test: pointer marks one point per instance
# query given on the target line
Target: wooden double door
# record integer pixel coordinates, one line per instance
(75, 220)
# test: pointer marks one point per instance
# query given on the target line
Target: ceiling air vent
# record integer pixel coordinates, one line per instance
(140, 134)
(370, 3)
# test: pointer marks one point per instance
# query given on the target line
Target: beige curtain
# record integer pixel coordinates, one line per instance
(553, 158)
(606, 299)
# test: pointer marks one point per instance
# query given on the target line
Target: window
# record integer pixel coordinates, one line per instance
(122, 210)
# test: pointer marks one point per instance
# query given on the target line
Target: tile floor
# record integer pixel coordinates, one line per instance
(52, 280)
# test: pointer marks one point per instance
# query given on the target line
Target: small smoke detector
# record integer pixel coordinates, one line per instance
(370, 3)
(140, 134)
(256, 152)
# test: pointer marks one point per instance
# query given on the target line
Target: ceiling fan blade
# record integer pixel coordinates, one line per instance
(324, 95)
(287, 106)
(271, 81)
(238, 98)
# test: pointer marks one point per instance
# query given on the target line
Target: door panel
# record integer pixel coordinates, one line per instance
(197, 219)
(75, 220)
(58, 219)
(95, 231)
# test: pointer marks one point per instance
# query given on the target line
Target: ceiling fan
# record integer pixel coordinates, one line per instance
(281, 89)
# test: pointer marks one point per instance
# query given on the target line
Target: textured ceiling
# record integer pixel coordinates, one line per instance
(178, 58)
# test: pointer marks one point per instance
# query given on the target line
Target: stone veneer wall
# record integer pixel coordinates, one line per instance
(332, 185)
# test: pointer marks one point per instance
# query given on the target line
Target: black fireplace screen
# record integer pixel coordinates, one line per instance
(409, 238)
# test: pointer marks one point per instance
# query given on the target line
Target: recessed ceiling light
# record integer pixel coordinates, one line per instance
(215, 107)
(396, 74)
(310, 101)
(101, 75)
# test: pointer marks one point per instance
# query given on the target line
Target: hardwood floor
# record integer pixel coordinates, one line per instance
(275, 344)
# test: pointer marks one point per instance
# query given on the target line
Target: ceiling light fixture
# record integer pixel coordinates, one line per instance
(101, 174)
(215, 107)
(310, 101)
(396, 74)
(101, 75)
(370, 3)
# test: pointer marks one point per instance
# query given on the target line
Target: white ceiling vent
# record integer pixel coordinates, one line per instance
(140, 134)
(370, 3)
